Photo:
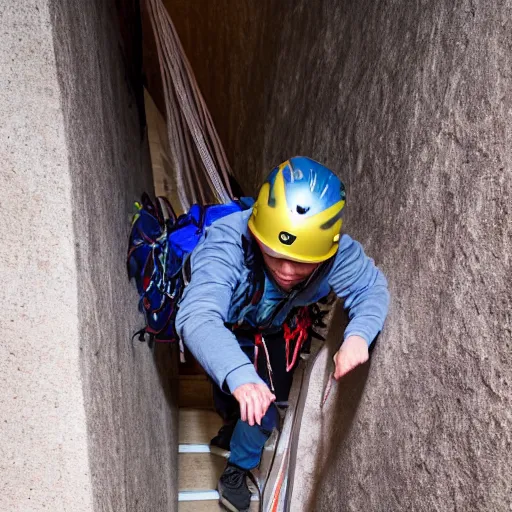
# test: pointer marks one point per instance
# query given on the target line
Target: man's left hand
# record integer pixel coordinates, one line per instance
(352, 353)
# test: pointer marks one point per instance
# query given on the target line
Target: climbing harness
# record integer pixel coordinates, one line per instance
(299, 335)
(303, 320)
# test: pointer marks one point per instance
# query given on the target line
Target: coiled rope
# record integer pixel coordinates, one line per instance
(194, 142)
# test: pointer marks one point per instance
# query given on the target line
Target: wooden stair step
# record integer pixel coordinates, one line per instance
(195, 391)
(208, 506)
(198, 426)
(199, 471)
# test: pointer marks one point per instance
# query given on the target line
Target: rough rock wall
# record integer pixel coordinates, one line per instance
(129, 394)
(410, 103)
(43, 439)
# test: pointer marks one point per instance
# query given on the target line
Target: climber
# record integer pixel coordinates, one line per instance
(244, 314)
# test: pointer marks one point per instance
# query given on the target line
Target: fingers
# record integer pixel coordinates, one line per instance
(243, 409)
(267, 398)
(343, 368)
(254, 400)
(346, 360)
(259, 410)
(261, 401)
(343, 365)
(251, 406)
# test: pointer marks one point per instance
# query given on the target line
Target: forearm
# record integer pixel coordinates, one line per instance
(204, 306)
(216, 349)
(368, 311)
(363, 288)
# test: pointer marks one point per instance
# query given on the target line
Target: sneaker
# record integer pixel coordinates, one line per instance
(223, 439)
(233, 491)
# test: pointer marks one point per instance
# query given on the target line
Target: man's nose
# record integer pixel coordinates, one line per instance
(287, 267)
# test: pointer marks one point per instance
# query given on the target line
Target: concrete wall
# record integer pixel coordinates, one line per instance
(43, 439)
(410, 103)
(88, 417)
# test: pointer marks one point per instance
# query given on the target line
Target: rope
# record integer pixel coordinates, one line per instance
(259, 341)
(327, 390)
(194, 142)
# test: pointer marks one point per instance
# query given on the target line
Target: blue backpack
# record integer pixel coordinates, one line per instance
(159, 245)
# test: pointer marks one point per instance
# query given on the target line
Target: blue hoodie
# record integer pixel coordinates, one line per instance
(229, 285)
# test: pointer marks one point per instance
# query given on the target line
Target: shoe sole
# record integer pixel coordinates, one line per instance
(228, 505)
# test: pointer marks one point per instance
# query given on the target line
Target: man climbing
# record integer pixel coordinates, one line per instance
(244, 314)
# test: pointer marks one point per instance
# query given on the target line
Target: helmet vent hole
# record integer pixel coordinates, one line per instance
(301, 210)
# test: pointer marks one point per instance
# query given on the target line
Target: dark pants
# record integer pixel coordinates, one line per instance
(247, 442)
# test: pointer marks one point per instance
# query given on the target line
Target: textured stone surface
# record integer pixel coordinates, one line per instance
(43, 440)
(129, 395)
(410, 103)
(88, 418)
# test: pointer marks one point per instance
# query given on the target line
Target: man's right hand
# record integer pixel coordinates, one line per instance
(254, 400)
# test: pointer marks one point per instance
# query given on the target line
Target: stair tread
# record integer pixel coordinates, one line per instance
(199, 471)
(198, 426)
(208, 506)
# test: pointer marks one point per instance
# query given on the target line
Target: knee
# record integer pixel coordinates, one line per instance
(270, 420)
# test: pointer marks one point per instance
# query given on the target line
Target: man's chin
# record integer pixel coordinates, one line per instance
(286, 284)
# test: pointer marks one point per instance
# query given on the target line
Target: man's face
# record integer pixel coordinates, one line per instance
(287, 273)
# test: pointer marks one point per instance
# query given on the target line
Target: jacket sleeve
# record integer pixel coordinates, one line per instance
(216, 264)
(355, 278)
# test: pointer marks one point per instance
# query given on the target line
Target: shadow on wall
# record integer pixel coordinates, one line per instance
(166, 360)
(329, 431)
(347, 397)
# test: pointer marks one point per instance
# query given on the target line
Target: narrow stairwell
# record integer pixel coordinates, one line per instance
(200, 467)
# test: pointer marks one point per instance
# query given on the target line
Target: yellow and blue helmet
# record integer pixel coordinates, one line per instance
(298, 212)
